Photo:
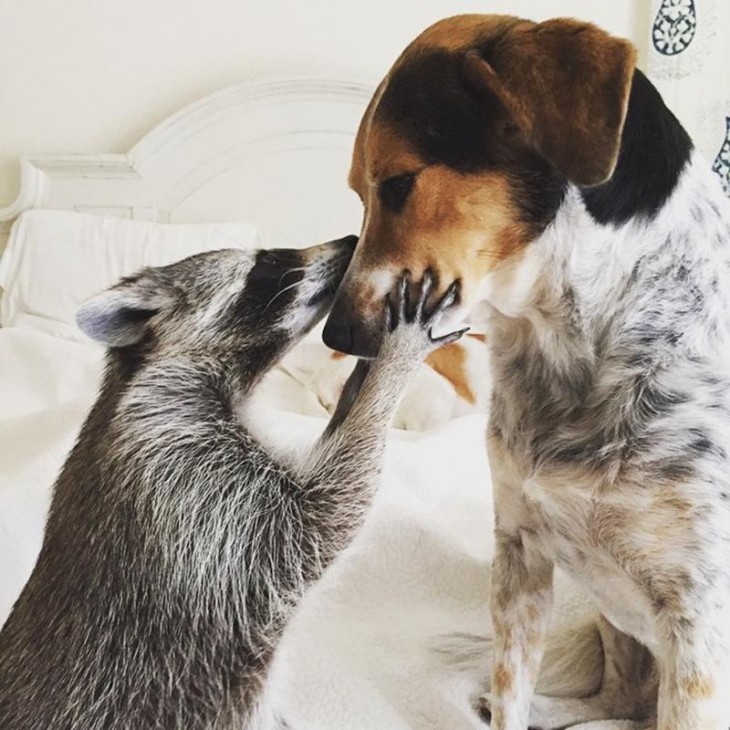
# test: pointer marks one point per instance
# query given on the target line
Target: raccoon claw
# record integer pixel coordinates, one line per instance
(402, 298)
(402, 312)
(448, 299)
(449, 338)
(424, 293)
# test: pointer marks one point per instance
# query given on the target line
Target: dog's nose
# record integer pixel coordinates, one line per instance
(347, 335)
(338, 335)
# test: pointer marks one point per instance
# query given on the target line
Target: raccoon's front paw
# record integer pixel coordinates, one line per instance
(409, 325)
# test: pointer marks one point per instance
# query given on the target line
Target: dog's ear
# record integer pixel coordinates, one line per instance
(566, 84)
(120, 316)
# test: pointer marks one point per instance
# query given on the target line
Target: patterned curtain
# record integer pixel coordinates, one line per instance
(689, 61)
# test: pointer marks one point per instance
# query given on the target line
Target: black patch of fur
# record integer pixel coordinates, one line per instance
(270, 289)
(271, 284)
(468, 130)
(654, 150)
(426, 101)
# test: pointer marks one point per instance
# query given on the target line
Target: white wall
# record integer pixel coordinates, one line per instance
(95, 75)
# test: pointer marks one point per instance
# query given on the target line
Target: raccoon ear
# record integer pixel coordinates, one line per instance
(120, 316)
(566, 85)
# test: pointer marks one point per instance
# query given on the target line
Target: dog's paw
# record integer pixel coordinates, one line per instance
(546, 713)
(409, 325)
(615, 725)
(554, 713)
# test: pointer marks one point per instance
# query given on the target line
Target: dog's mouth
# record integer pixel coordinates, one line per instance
(356, 322)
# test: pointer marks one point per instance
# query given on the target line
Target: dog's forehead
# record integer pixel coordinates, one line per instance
(422, 112)
(382, 151)
(460, 32)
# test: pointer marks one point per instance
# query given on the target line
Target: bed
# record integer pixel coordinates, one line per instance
(258, 164)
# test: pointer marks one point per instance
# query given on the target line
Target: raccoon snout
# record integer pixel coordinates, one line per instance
(328, 264)
(338, 252)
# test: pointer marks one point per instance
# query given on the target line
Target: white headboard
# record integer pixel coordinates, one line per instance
(275, 153)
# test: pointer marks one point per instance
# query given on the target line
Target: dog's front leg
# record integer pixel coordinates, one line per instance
(521, 600)
(520, 596)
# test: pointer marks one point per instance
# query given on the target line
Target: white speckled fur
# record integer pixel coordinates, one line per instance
(610, 450)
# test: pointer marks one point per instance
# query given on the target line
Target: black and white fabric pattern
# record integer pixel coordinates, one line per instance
(689, 56)
(674, 27)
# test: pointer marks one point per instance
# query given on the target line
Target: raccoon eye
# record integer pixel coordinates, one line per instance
(274, 258)
(269, 258)
(276, 265)
(395, 191)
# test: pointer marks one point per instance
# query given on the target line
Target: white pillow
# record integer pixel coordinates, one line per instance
(56, 259)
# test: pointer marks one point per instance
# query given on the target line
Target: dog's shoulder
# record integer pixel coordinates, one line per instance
(627, 366)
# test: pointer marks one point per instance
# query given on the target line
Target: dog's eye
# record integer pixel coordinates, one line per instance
(395, 190)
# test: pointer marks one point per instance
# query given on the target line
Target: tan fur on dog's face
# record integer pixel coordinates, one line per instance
(457, 226)
(453, 165)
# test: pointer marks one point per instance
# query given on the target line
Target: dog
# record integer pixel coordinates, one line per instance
(536, 166)
(177, 545)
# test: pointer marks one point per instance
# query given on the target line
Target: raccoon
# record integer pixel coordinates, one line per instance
(178, 545)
